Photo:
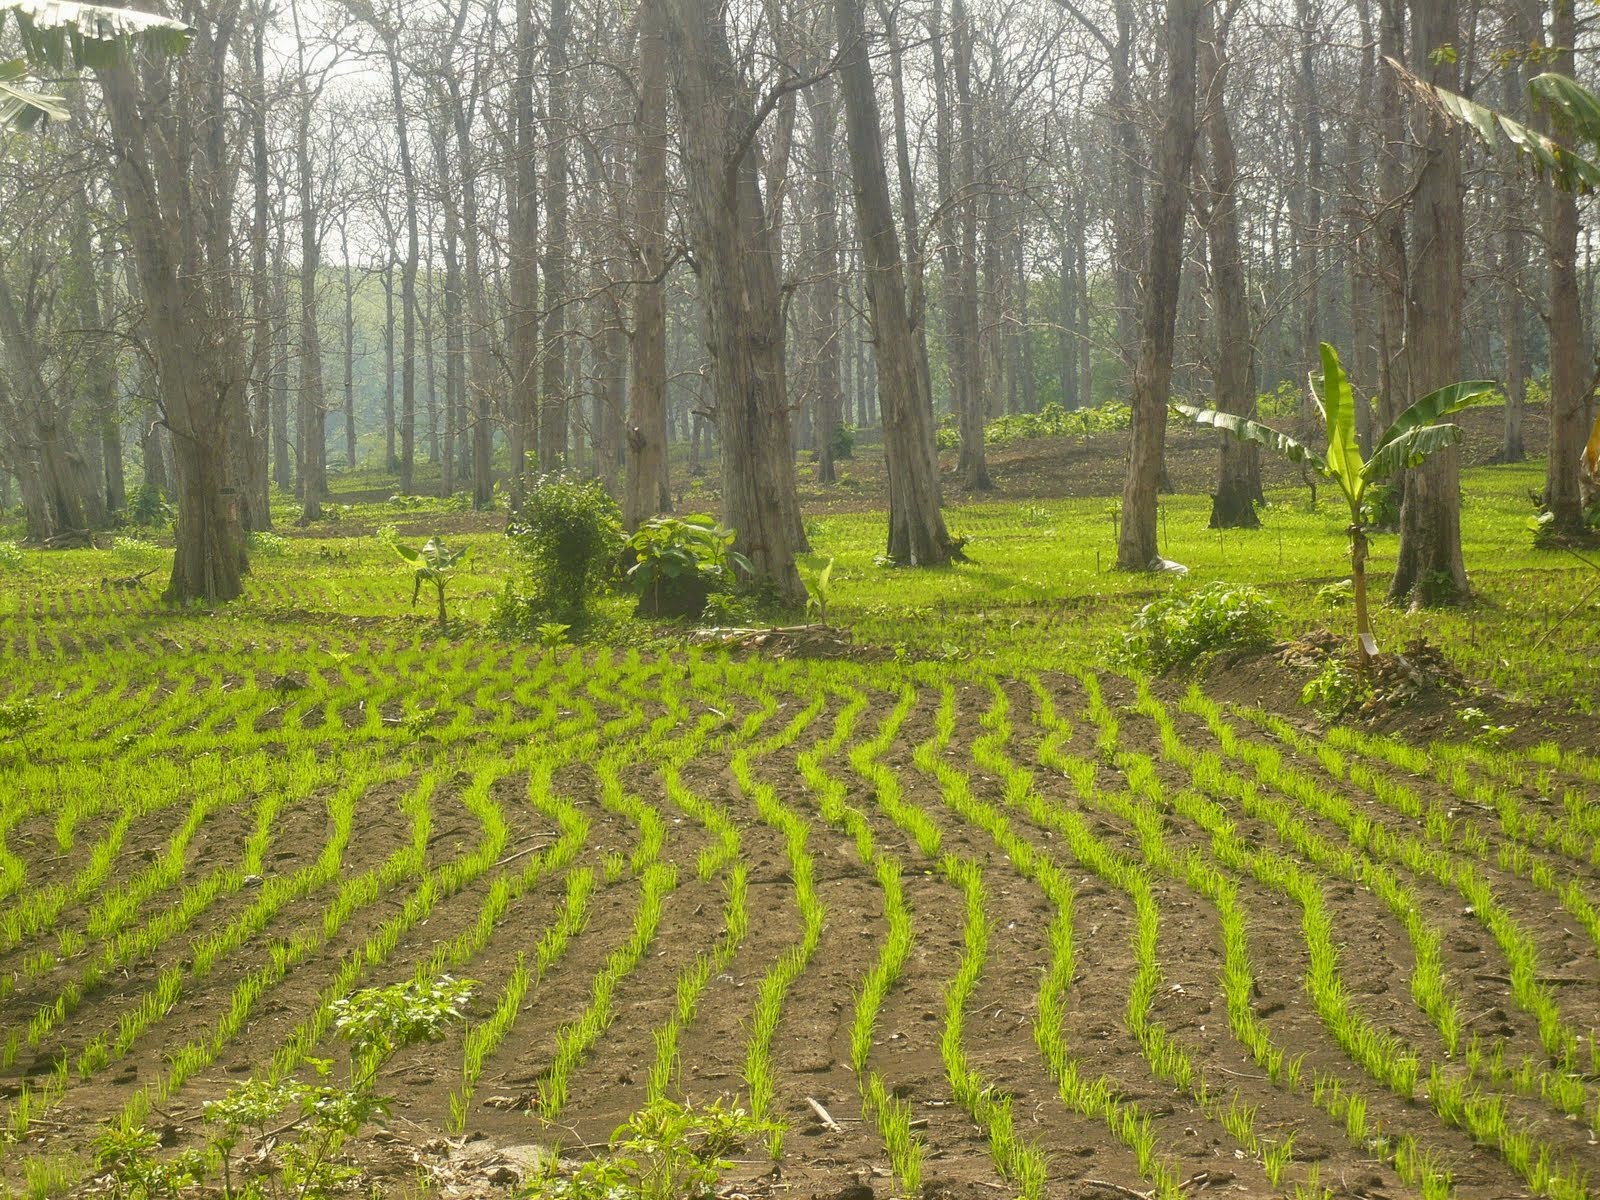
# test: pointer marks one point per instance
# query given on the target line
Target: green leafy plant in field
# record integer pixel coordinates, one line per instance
(433, 564)
(665, 1151)
(570, 536)
(376, 1022)
(1177, 629)
(1417, 433)
(1335, 689)
(821, 588)
(679, 562)
(148, 508)
(10, 556)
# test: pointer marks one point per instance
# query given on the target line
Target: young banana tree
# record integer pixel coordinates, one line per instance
(62, 35)
(433, 564)
(1417, 433)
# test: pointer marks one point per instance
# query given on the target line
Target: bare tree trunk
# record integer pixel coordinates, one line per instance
(282, 457)
(554, 400)
(966, 354)
(100, 367)
(523, 252)
(312, 398)
(252, 434)
(1389, 227)
(917, 534)
(739, 289)
(646, 489)
(825, 332)
(178, 189)
(1429, 569)
(349, 359)
(1136, 545)
(1567, 375)
(1513, 267)
(408, 279)
(390, 425)
(1239, 472)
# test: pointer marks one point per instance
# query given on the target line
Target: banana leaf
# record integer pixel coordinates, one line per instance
(62, 34)
(1339, 411)
(1576, 108)
(1437, 405)
(1565, 167)
(1247, 430)
(1410, 449)
(22, 107)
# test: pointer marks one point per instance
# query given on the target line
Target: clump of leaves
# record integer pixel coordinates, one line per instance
(821, 589)
(376, 1022)
(433, 564)
(1336, 689)
(665, 1151)
(570, 536)
(1178, 629)
(148, 508)
(10, 556)
(127, 1156)
(679, 562)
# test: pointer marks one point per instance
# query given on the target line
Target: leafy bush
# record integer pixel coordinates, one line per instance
(570, 535)
(267, 545)
(679, 562)
(1177, 629)
(148, 507)
(10, 556)
(1335, 689)
(843, 443)
(1055, 421)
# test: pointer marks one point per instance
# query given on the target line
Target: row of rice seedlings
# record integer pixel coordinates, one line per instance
(561, 741)
(577, 1038)
(1462, 832)
(696, 976)
(483, 1038)
(1142, 807)
(891, 1115)
(1384, 1057)
(1167, 1059)
(791, 963)
(1019, 1161)
(1368, 835)
(1574, 832)
(356, 893)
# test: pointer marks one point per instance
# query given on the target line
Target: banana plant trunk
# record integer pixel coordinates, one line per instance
(1366, 645)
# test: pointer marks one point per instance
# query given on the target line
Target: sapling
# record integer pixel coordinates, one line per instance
(1417, 433)
(432, 564)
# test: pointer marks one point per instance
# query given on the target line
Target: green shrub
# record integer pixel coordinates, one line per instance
(10, 556)
(570, 536)
(844, 441)
(1177, 629)
(679, 563)
(148, 507)
(1335, 689)
(1055, 421)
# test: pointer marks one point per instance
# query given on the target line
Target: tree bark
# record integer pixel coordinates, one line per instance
(1136, 543)
(647, 491)
(739, 289)
(178, 190)
(554, 401)
(1429, 569)
(917, 534)
(1239, 471)
(1565, 319)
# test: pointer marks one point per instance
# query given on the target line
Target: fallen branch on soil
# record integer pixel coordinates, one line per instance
(824, 1116)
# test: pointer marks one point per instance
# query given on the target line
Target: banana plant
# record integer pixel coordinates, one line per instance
(433, 564)
(62, 35)
(1417, 433)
